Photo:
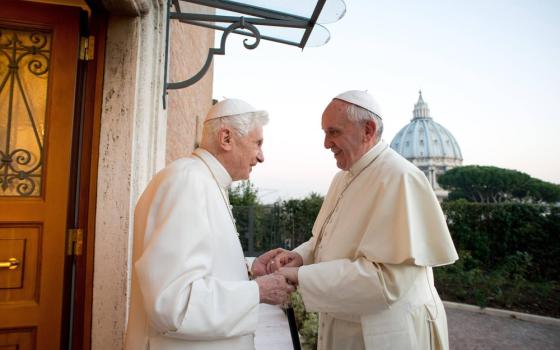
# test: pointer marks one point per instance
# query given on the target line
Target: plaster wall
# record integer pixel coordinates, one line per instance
(132, 149)
(188, 107)
(114, 179)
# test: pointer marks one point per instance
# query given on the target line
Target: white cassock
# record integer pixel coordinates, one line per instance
(370, 278)
(190, 288)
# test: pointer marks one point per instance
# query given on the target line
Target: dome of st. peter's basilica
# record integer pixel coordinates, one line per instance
(428, 145)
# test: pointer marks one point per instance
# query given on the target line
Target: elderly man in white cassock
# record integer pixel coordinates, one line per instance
(190, 285)
(367, 269)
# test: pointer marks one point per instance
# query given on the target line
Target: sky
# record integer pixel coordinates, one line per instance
(488, 69)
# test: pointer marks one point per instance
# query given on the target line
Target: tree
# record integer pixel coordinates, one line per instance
(244, 194)
(298, 217)
(245, 202)
(489, 184)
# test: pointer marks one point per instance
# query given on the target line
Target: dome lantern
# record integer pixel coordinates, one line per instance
(421, 109)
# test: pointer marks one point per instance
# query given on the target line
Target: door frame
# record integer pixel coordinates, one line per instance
(78, 298)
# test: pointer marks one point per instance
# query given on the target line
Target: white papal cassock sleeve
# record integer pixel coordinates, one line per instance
(357, 287)
(305, 250)
(180, 296)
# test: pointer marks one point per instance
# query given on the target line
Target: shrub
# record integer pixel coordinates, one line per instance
(307, 322)
(507, 286)
(494, 232)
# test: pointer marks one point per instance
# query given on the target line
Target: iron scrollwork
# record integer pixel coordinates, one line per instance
(241, 24)
(21, 169)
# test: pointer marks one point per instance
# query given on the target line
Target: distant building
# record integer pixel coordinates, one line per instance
(428, 145)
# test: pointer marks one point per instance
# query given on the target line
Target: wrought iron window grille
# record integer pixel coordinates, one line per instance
(247, 23)
(20, 52)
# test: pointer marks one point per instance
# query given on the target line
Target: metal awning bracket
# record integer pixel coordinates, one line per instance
(247, 20)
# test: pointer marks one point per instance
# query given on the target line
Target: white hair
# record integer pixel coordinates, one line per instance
(358, 114)
(241, 124)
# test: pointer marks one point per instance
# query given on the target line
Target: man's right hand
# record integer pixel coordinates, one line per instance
(274, 289)
(285, 258)
(260, 264)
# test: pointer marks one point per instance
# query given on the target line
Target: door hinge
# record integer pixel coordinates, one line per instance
(87, 48)
(75, 241)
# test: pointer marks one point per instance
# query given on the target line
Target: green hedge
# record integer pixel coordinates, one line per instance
(492, 233)
(508, 256)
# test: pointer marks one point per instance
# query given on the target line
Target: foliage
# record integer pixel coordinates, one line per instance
(508, 256)
(508, 285)
(493, 232)
(244, 194)
(244, 197)
(307, 323)
(297, 217)
(284, 224)
(489, 184)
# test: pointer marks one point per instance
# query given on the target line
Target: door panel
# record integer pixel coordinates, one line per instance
(38, 60)
(17, 339)
(22, 244)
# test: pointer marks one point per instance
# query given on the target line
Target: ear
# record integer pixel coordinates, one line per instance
(225, 139)
(369, 130)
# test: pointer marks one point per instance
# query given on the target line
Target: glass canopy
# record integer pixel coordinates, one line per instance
(296, 22)
(292, 22)
(331, 10)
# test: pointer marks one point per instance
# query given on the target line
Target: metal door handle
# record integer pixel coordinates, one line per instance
(11, 264)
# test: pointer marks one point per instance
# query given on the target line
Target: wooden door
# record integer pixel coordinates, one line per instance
(38, 59)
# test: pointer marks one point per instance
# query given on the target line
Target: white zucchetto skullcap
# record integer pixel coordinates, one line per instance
(230, 107)
(361, 99)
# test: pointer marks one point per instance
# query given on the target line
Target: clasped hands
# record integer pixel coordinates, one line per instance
(276, 273)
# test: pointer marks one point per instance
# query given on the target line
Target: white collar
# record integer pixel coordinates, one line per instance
(367, 157)
(221, 174)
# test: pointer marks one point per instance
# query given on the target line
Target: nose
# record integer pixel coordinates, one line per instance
(327, 142)
(260, 157)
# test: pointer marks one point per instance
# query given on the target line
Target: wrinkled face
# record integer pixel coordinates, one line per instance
(344, 138)
(247, 152)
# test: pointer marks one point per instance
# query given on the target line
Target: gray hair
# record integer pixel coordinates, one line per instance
(241, 124)
(358, 114)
